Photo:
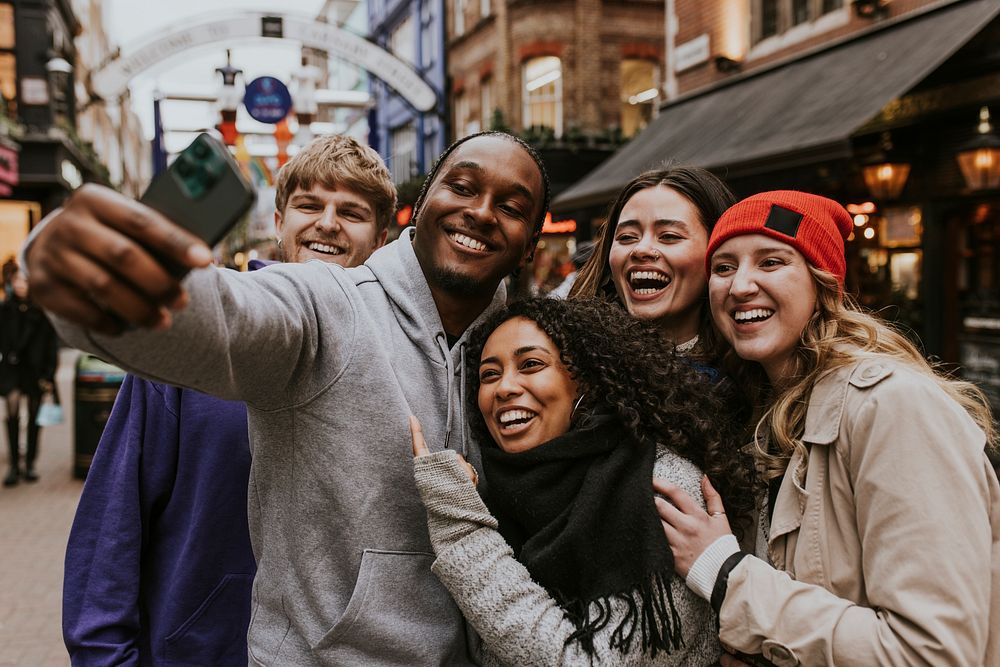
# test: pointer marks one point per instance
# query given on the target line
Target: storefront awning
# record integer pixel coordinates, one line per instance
(793, 114)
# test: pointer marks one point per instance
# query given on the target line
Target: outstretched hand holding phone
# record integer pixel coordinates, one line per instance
(106, 262)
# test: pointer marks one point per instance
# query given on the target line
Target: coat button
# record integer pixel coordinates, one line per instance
(872, 372)
(778, 654)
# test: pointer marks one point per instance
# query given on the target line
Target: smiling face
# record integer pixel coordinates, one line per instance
(335, 225)
(526, 395)
(477, 219)
(762, 296)
(657, 261)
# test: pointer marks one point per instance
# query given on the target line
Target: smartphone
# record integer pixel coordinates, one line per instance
(203, 190)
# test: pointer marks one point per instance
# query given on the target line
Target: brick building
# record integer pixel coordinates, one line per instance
(574, 78)
(408, 140)
(571, 67)
(876, 104)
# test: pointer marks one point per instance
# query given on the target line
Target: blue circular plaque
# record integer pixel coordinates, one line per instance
(267, 99)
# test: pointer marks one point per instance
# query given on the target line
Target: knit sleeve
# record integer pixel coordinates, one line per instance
(519, 622)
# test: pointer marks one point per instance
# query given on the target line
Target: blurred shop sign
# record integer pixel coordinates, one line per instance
(691, 53)
(267, 99)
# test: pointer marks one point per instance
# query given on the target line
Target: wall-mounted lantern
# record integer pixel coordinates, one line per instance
(979, 159)
(885, 177)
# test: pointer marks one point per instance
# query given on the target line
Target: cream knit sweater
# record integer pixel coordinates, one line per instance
(519, 622)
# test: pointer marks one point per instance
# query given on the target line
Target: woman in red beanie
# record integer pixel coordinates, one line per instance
(884, 511)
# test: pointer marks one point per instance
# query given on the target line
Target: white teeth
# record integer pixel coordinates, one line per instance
(755, 314)
(515, 415)
(649, 275)
(467, 242)
(322, 247)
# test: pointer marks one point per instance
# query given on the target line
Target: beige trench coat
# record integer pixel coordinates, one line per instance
(885, 542)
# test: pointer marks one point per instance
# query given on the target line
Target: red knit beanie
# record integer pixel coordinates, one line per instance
(813, 225)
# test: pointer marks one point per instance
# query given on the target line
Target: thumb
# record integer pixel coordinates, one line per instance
(713, 501)
(417, 433)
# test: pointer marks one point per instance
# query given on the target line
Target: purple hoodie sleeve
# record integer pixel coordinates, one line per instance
(101, 587)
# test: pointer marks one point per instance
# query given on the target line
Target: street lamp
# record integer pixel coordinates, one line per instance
(979, 159)
(883, 177)
(59, 72)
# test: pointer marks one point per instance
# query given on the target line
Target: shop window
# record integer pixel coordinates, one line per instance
(8, 78)
(773, 17)
(542, 93)
(459, 18)
(486, 103)
(464, 123)
(884, 264)
(640, 94)
(16, 219)
(6, 25)
(977, 285)
(403, 161)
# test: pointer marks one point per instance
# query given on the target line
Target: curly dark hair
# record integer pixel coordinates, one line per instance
(624, 365)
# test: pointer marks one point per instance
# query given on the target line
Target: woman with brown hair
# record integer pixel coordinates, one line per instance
(649, 255)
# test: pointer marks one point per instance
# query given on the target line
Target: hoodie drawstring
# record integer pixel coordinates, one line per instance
(442, 341)
(462, 406)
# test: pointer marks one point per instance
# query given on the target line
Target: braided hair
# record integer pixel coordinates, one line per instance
(546, 187)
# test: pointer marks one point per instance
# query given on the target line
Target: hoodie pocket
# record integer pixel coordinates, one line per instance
(216, 631)
(398, 614)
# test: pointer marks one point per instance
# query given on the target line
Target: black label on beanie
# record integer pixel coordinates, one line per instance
(783, 220)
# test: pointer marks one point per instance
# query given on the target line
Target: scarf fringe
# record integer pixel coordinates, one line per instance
(650, 612)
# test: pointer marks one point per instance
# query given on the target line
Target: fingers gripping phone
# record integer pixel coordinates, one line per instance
(203, 191)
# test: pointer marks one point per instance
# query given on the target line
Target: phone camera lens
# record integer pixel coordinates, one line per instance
(200, 151)
(184, 167)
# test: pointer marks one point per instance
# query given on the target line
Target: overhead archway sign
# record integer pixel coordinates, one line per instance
(111, 80)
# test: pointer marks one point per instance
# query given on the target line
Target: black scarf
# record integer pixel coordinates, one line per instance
(578, 512)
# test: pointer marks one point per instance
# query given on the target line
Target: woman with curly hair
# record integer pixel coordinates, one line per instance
(650, 255)
(884, 508)
(577, 406)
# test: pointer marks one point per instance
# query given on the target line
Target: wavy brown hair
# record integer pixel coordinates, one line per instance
(707, 194)
(625, 366)
(838, 333)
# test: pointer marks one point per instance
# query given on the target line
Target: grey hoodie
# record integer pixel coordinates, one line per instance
(330, 362)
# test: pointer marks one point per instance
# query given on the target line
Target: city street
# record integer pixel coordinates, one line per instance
(34, 523)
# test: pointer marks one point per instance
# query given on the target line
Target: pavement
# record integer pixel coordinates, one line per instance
(34, 525)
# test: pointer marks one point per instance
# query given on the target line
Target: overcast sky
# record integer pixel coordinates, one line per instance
(130, 22)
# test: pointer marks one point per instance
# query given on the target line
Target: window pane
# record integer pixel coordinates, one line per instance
(8, 78)
(403, 40)
(6, 26)
(768, 18)
(486, 103)
(800, 11)
(639, 94)
(543, 93)
(459, 17)
(403, 161)
(832, 5)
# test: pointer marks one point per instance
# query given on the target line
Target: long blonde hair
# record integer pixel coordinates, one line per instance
(837, 334)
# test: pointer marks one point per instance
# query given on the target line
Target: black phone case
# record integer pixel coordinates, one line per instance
(203, 191)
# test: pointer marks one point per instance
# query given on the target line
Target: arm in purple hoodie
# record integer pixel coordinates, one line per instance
(102, 624)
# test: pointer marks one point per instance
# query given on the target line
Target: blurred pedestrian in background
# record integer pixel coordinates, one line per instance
(29, 355)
